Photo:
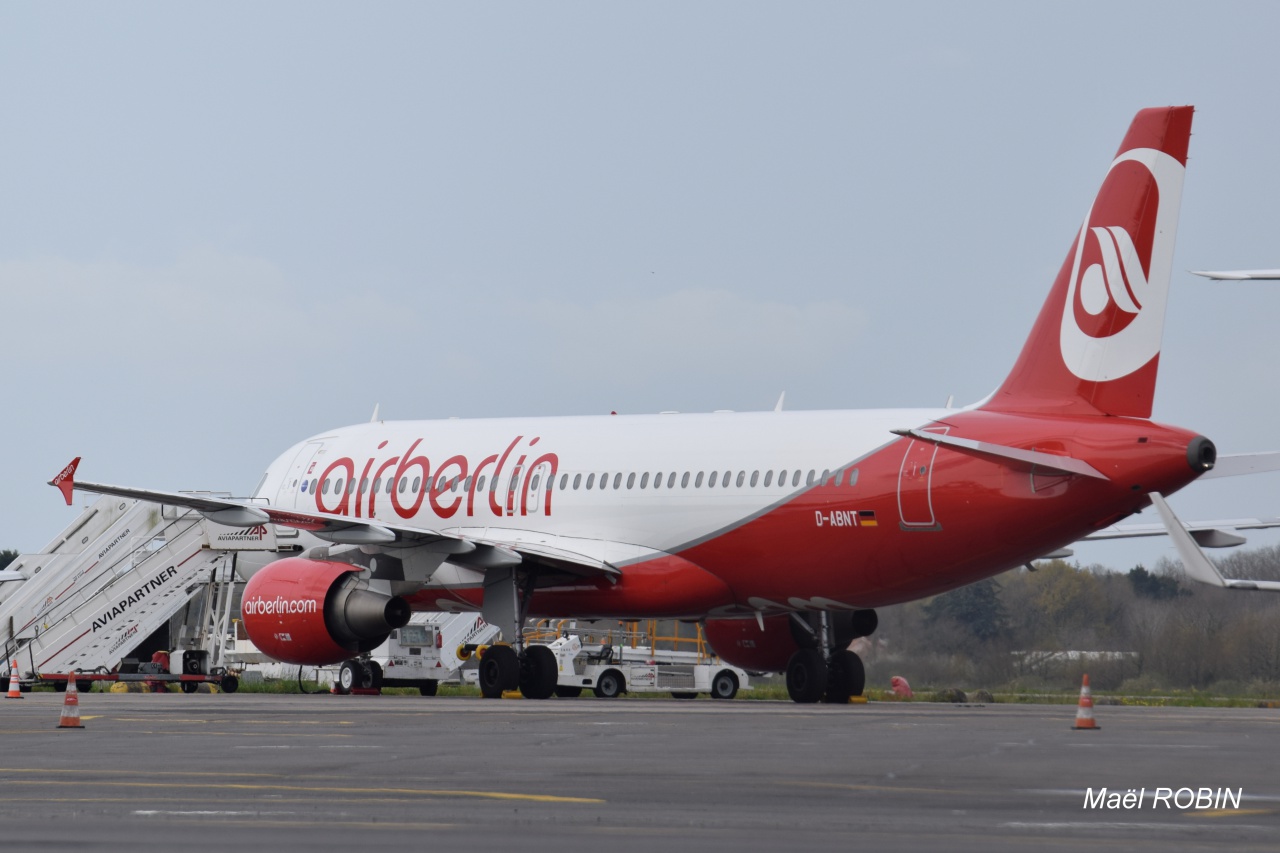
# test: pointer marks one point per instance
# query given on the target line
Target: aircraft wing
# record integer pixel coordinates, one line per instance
(341, 529)
(1240, 275)
(1208, 534)
(1194, 561)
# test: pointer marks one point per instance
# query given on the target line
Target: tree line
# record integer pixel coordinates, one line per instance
(1141, 631)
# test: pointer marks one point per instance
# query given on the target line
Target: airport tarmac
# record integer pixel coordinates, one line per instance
(256, 771)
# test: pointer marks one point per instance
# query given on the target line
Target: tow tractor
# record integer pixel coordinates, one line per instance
(636, 664)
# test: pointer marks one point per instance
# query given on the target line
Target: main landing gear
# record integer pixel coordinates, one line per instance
(534, 672)
(531, 669)
(823, 669)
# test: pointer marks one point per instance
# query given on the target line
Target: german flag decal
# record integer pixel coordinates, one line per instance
(866, 518)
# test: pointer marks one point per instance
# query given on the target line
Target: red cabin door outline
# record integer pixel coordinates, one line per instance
(915, 484)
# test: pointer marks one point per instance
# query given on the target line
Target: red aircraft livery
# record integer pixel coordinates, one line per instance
(781, 531)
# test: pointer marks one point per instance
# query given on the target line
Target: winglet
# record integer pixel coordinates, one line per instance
(66, 479)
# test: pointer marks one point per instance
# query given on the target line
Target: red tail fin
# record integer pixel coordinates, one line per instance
(1095, 347)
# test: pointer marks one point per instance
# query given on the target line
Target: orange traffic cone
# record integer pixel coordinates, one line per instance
(15, 692)
(1084, 714)
(71, 706)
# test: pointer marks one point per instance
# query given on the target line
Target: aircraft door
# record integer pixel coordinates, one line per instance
(915, 483)
(299, 472)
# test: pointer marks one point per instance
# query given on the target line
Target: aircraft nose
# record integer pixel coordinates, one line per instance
(1201, 454)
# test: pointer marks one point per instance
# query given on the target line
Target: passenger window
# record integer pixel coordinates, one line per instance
(404, 484)
(337, 486)
(755, 478)
(564, 482)
(617, 480)
(826, 476)
(417, 482)
(795, 478)
(657, 481)
(631, 480)
(684, 481)
(644, 480)
(711, 481)
(768, 479)
(324, 490)
(591, 481)
(697, 481)
(364, 485)
(577, 481)
(377, 485)
(812, 476)
(853, 477)
(742, 475)
(533, 484)
(671, 480)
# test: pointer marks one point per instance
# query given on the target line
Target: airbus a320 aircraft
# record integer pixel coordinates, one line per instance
(782, 531)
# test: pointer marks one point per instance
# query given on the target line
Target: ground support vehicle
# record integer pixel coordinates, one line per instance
(610, 670)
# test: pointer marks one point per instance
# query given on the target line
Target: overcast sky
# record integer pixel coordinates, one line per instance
(225, 227)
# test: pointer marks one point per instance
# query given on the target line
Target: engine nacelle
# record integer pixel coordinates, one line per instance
(317, 613)
(742, 643)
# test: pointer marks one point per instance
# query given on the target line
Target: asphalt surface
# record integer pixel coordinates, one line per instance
(257, 772)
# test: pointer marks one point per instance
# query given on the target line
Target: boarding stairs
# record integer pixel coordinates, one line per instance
(116, 574)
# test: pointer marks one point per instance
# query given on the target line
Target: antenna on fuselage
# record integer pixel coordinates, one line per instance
(781, 397)
(374, 419)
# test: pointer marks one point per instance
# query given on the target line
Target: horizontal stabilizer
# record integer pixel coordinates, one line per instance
(986, 449)
(1239, 464)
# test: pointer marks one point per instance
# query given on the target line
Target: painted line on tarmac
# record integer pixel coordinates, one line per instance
(417, 792)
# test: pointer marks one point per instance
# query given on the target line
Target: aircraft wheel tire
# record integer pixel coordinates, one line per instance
(499, 671)
(349, 676)
(372, 675)
(610, 684)
(846, 677)
(566, 691)
(538, 672)
(428, 687)
(806, 676)
(724, 685)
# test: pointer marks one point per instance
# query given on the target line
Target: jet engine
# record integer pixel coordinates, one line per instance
(317, 613)
(742, 643)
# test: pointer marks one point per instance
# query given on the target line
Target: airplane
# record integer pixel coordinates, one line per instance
(781, 531)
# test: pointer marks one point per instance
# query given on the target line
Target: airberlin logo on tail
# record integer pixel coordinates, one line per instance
(1114, 312)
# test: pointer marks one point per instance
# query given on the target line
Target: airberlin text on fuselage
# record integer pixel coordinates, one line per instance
(504, 495)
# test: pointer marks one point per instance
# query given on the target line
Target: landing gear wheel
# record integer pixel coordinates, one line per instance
(806, 676)
(610, 684)
(428, 688)
(845, 677)
(372, 675)
(189, 687)
(567, 692)
(724, 685)
(538, 672)
(348, 677)
(499, 671)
